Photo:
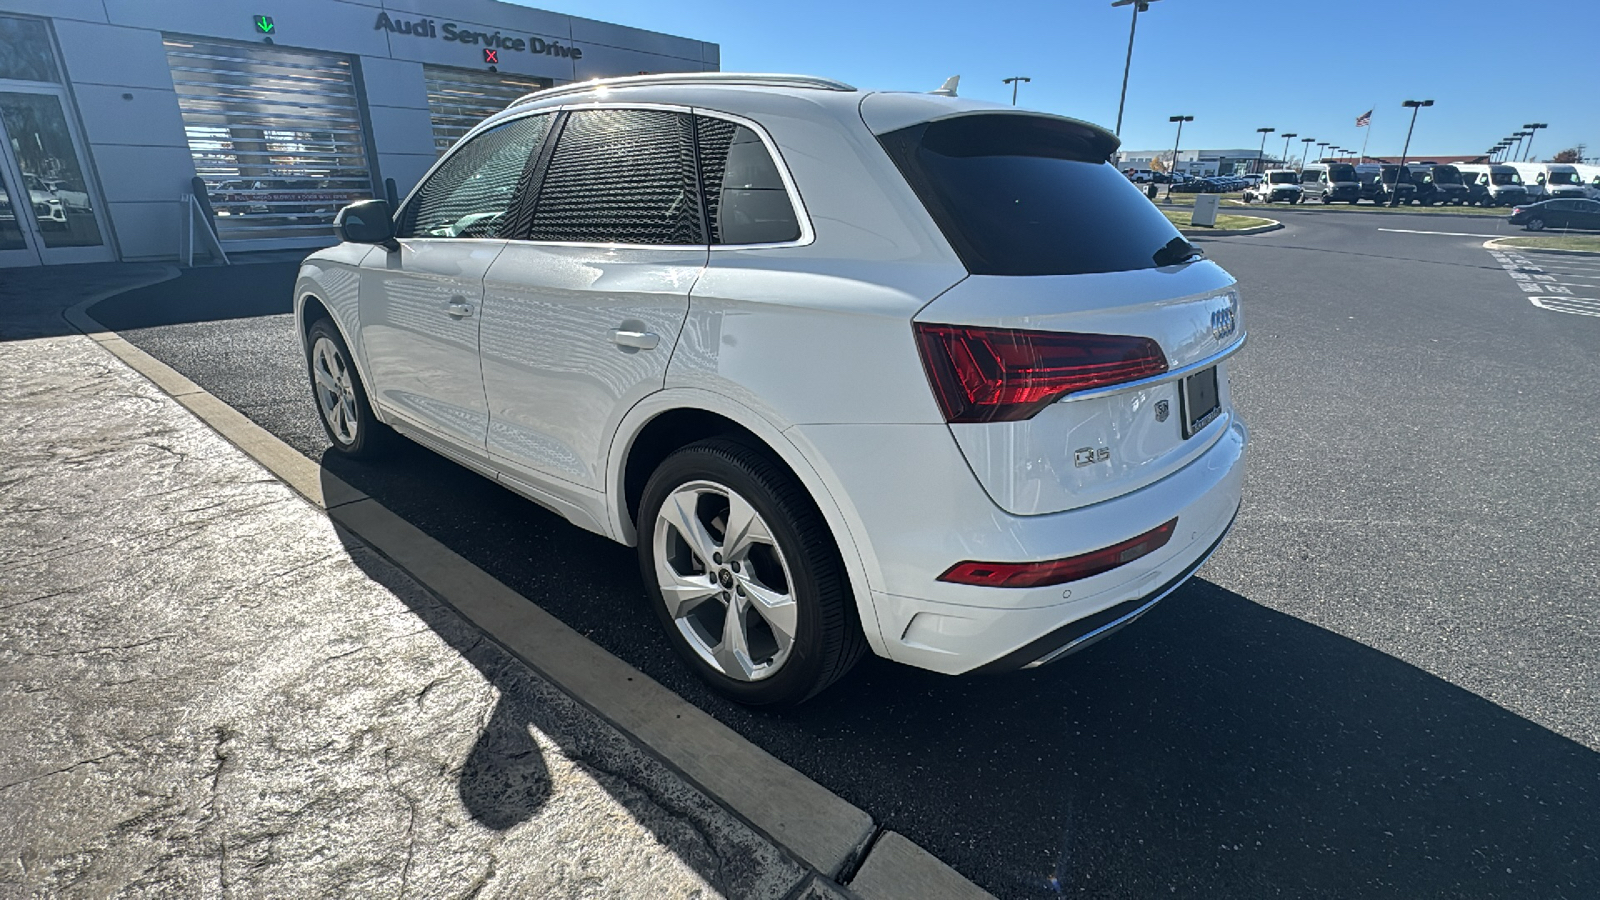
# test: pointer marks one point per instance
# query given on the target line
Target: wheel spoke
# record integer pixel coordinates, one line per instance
(745, 528)
(778, 609)
(684, 593)
(325, 379)
(679, 512)
(733, 653)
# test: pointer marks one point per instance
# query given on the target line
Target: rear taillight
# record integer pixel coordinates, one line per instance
(1005, 375)
(1059, 571)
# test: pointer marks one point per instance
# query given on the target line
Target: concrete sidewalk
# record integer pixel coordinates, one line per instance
(210, 690)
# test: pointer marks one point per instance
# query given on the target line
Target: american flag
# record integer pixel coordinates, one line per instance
(1364, 119)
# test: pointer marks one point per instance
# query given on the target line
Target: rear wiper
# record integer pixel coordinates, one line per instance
(1178, 251)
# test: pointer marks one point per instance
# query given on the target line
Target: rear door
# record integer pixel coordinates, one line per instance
(421, 305)
(582, 311)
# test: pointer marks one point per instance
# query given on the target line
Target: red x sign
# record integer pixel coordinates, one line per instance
(491, 56)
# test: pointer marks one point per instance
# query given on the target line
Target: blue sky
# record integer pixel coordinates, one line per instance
(1489, 66)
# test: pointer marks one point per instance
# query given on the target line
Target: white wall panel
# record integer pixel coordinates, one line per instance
(107, 54)
(143, 173)
(393, 82)
(396, 130)
(147, 230)
(150, 118)
(308, 24)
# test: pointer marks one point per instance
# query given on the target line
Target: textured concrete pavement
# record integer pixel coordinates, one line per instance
(207, 690)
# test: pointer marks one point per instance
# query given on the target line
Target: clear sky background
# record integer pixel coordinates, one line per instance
(1235, 66)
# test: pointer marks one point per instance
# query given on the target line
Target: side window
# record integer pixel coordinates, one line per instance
(745, 198)
(621, 176)
(471, 193)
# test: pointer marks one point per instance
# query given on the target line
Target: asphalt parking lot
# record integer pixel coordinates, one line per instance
(1384, 685)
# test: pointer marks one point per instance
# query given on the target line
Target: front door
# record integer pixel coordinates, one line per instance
(49, 210)
(422, 303)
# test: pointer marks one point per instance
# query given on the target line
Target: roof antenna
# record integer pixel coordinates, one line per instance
(949, 88)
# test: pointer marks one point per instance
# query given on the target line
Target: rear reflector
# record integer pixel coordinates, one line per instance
(1060, 571)
(1006, 375)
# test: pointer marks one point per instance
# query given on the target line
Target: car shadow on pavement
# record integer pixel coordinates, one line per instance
(1215, 748)
(505, 779)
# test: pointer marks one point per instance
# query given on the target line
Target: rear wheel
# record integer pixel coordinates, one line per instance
(745, 576)
(341, 398)
(1534, 225)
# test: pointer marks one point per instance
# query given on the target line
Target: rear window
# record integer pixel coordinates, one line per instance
(1027, 195)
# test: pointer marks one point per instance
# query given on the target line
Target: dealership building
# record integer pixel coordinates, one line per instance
(286, 110)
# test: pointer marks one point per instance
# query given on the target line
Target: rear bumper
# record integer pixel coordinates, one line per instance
(916, 509)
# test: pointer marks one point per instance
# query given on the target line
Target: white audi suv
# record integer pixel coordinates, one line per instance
(853, 370)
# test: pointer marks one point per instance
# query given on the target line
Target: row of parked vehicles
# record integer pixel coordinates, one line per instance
(1428, 184)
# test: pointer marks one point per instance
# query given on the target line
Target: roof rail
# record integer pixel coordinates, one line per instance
(745, 78)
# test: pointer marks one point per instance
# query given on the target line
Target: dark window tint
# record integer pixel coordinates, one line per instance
(471, 193)
(1028, 195)
(621, 176)
(745, 199)
(1342, 173)
(25, 53)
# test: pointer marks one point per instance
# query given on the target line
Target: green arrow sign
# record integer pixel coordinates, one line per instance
(264, 25)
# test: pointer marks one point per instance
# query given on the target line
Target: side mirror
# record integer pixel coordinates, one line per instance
(367, 222)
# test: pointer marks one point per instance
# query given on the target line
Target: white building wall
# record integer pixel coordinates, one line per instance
(137, 150)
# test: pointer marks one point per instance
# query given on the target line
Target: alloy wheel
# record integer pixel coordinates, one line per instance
(335, 389)
(725, 581)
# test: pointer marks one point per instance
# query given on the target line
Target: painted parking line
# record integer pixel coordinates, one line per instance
(1445, 233)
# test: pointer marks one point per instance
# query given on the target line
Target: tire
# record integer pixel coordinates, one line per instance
(686, 505)
(1534, 224)
(1327, 200)
(341, 398)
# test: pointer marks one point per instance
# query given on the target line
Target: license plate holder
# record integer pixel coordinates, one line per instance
(1201, 403)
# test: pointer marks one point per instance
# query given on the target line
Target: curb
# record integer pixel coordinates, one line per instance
(1494, 244)
(805, 819)
(1273, 225)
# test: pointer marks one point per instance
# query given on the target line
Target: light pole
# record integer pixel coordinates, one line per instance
(1180, 120)
(1322, 149)
(1516, 155)
(1262, 152)
(1307, 151)
(1286, 138)
(1413, 105)
(1139, 6)
(1532, 127)
(1013, 80)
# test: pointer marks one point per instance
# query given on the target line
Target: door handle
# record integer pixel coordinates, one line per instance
(458, 309)
(642, 340)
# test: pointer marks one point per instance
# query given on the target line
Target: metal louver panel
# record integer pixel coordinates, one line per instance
(458, 99)
(275, 134)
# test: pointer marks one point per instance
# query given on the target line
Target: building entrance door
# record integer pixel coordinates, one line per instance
(49, 214)
(49, 211)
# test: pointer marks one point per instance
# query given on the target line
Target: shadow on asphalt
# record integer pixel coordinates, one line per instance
(1216, 748)
(204, 295)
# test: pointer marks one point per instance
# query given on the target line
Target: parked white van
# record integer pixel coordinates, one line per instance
(1547, 180)
(1495, 184)
(1591, 178)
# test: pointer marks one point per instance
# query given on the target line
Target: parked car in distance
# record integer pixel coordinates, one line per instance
(1329, 182)
(989, 436)
(1565, 212)
(1438, 185)
(1277, 186)
(1386, 184)
(1495, 184)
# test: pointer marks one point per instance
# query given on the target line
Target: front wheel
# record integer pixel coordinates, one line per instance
(341, 398)
(745, 575)
(1534, 225)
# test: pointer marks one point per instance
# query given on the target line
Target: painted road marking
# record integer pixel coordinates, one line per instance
(1578, 306)
(1445, 233)
(1535, 278)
